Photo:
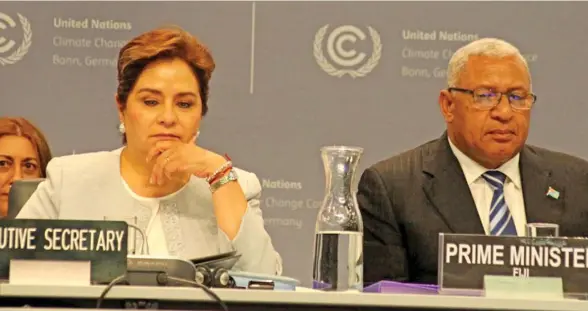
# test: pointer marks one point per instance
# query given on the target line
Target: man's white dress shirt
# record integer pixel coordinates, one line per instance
(482, 192)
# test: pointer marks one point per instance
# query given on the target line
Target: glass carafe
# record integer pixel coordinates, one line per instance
(338, 242)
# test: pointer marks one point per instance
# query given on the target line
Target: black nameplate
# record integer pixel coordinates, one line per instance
(465, 259)
(103, 243)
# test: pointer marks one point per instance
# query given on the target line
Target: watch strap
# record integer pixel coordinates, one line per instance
(231, 176)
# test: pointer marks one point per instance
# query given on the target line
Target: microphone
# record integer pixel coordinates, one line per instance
(145, 244)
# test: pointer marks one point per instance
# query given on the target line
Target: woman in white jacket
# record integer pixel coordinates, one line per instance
(191, 202)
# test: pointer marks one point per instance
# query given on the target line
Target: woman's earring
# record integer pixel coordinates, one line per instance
(195, 136)
(121, 128)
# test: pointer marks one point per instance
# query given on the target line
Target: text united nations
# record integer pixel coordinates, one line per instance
(62, 239)
(516, 255)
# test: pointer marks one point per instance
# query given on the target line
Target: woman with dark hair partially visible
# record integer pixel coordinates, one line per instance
(191, 202)
(24, 153)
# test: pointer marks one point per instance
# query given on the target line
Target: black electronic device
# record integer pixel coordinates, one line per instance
(144, 270)
(213, 271)
(210, 258)
(20, 192)
(210, 271)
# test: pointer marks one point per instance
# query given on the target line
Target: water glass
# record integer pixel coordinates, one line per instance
(542, 230)
(132, 233)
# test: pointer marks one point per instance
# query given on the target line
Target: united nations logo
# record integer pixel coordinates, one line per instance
(346, 60)
(8, 54)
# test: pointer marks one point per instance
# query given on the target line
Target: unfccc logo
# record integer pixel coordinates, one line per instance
(7, 46)
(346, 59)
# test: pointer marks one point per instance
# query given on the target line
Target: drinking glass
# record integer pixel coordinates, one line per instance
(542, 230)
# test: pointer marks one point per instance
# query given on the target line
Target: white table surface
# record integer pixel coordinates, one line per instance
(300, 297)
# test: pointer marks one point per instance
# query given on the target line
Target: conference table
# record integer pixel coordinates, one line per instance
(61, 298)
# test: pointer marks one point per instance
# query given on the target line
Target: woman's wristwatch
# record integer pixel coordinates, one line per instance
(231, 176)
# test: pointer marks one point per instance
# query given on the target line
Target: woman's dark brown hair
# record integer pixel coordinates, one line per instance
(23, 128)
(163, 43)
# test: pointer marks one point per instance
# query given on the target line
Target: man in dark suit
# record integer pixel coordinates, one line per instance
(479, 177)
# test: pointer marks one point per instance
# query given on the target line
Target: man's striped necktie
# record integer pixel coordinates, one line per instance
(501, 221)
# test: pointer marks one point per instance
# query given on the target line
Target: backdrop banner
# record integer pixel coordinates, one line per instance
(291, 77)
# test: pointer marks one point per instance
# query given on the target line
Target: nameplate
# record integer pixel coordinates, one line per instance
(464, 260)
(103, 243)
(535, 287)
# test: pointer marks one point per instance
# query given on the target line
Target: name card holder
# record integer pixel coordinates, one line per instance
(50, 272)
(535, 287)
(511, 266)
(76, 252)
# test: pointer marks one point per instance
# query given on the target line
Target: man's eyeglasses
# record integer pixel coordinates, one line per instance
(487, 99)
